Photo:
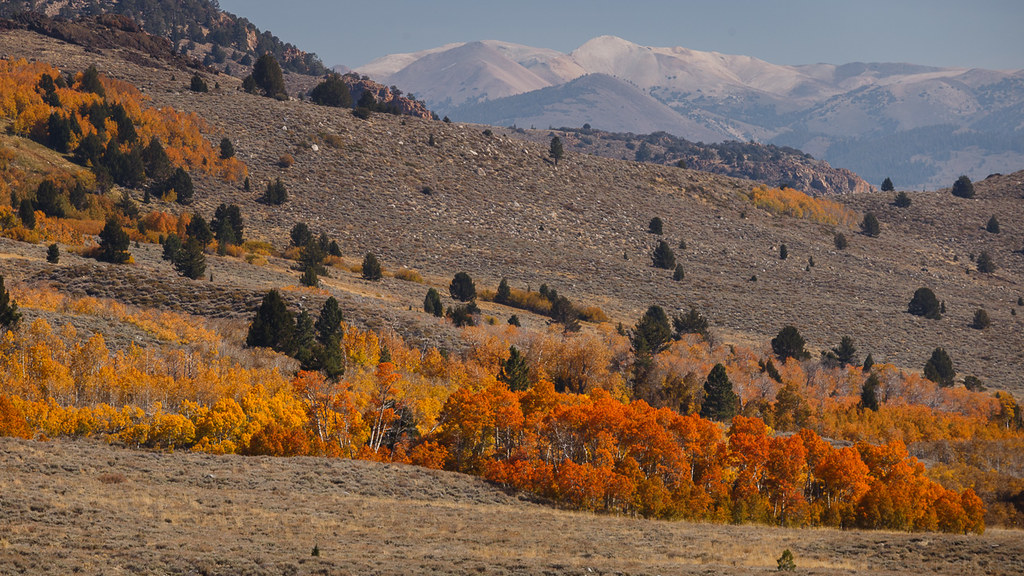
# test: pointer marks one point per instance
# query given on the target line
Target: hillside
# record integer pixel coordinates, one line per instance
(499, 209)
(921, 126)
(203, 514)
(563, 382)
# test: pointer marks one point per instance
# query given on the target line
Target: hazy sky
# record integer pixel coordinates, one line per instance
(963, 33)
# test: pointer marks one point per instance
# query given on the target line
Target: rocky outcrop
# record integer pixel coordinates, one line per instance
(388, 98)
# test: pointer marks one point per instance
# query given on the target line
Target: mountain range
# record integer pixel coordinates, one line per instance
(920, 125)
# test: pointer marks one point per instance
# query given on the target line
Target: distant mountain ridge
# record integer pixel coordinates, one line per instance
(920, 125)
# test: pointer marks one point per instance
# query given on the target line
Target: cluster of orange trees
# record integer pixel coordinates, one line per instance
(799, 205)
(573, 435)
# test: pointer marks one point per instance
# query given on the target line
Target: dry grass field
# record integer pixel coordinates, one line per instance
(88, 508)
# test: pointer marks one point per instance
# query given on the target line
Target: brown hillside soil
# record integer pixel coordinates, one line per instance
(86, 507)
(499, 207)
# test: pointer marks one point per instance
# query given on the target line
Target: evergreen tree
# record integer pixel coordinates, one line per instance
(564, 313)
(371, 268)
(924, 303)
(309, 278)
(504, 293)
(333, 91)
(678, 274)
(963, 187)
(227, 224)
(869, 363)
(304, 342)
(993, 225)
(328, 325)
(330, 358)
(887, 185)
(869, 393)
(432, 303)
(720, 401)
(53, 254)
(48, 199)
(514, 371)
(266, 74)
(113, 243)
(462, 288)
(275, 194)
(58, 132)
(157, 164)
(845, 352)
(783, 252)
(198, 84)
(663, 257)
(691, 323)
(789, 344)
(840, 241)
(171, 246)
(181, 183)
(901, 200)
(27, 214)
(9, 315)
(555, 151)
(869, 225)
(939, 368)
(198, 228)
(90, 81)
(513, 320)
(227, 149)
(273, 325)
(981, 319)
(985, 263)
(652, 333)
(655, 226)
(301, 235)
(190, 260)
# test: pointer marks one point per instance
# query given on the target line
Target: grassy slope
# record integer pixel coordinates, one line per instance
(500, 209)
(87, 507)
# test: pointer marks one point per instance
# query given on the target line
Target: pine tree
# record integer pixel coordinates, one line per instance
(90, 81)
(304, 342)
(663, 257)
(678, 274)
(53, 254)
(845, 352)
(924, 303)
(981, 319)
(939, 368)
(432, 303)
(9, 315)
(720, 402)
(371, 268)
(27, 214)
(113, 243)
(869, 393)
(462, 288)
(555, 151)
(198, 228)
(963, 187)
(504, 293)
(691, 323)
(840, 241)
(190, 260)
(275, 194)
(273, 325)
(198, 84)
(171, 246)
(227, 225)
(301, 234)
(985, 263)
(266, 74)
(333, 91)
(901, 200)
(328, 324)
(783, 252)
(789, 344)
(309, 278)
(652, 332)
(993, 225)
(655, 226)
(227, 149)
(514, 371)
(869, 363)
(869, 225)
(887, 185)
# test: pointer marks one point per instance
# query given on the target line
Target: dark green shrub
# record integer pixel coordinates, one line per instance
(655, 226)
(939, 368)
(371, 268)
(663, 257)
(789, 344)
(462, 288)
(720, 401)
(924, 303)
(963, 187)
